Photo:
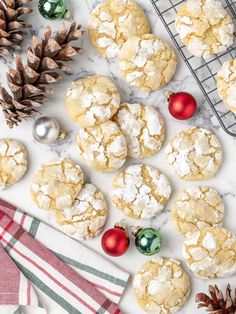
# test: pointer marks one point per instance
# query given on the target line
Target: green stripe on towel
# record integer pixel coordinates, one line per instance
(34, 227)
(91, 270)
(48, 291)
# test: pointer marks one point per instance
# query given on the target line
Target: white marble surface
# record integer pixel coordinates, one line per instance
(90, 63)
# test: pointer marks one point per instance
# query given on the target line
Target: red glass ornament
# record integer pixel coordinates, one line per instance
(182, 105)
(115, 241)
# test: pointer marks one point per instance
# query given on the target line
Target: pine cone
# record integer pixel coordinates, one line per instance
(11, 26)
(216, 303)
(45, 58)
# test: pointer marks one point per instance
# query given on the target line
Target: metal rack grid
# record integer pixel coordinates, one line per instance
(203, 70)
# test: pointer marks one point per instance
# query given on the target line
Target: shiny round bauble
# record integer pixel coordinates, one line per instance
(182, 105)
(52, 9)
(46, 130)
(115, 241)
(148, 241)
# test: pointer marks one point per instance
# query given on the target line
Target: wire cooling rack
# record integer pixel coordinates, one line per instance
(203, 70)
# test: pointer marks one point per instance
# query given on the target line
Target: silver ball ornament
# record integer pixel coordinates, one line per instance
(46, 130)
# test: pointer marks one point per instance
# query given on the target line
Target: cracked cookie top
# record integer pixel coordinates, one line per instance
(196, 208)
(103, 147)
(87, 216)
(205, 27)
(113, 22)
(92, 100)
(143, 127)
(226, 84)
(211, 253)
(140, 191)
(13, 162)
(195, 154)
(56, 184)
(161, 286)
(147, 62)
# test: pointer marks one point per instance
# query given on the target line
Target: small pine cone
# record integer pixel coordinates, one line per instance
(45, 60)
(11, 26)
(216, 303)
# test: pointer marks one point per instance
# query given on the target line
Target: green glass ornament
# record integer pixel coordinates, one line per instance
(148, 241)
(52, 9)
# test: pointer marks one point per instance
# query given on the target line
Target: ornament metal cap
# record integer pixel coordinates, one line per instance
(167, 94)
(122, 224)
(68, 16)
(135, 230)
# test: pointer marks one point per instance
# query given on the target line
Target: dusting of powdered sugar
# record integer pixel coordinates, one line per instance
(194, 154)
(103, 147)
(143, 128)
(207, 253)
(86, 218)
(147, 62)
(215, 32)
(196, 208)
(13, 162)
(226, 84)
(162, 278)
(140, 191)
(56, 184)
(92, 100)
(112, 23)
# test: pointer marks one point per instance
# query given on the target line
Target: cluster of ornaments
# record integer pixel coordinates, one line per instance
(116, 241)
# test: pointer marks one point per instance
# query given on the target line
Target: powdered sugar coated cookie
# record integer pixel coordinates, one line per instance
(211, 253)
(161, 286)
(195, 154)
(147, 62)
(92, 100)
(140, 191)
(13, 162)
(103, 147)
(196, 208)
(86, 218)
(205, 27)
(113, 22)
(56, 184)
(226, 84)
(143, 127)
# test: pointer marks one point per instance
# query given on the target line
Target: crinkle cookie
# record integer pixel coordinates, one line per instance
(211, 253)
(87, 216)
(226, 84)
(161, 286)
(143, 127)
(140, 191)
(205, 27)
(56, 184)
(196, 208)
(13, 162)
(114, 21)
(147, 62)
(195, 154)
(103, 147)
(92, 100)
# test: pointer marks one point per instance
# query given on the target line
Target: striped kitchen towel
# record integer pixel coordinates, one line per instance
(77, 278)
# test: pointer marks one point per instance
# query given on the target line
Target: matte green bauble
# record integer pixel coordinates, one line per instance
(52, 9)
(148, 241)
